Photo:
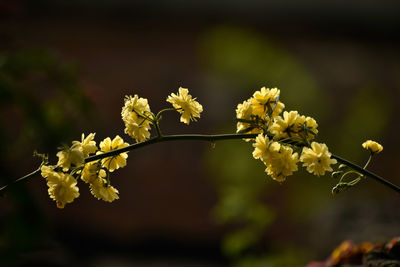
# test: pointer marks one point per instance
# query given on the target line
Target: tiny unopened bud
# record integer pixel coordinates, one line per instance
(342, 166)
(335, 190)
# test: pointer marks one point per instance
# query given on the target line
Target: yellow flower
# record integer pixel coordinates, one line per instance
(264, 148)
(279, 159)
(294, 126)
(317, 159)
(311, 125)
(68, 156)
(101, 190)
(62, 188)
(87, 145)
(140, 132)
(261, 145)
(244, 111)
(114, 162)
(47, 171)
(185, 105)
(372, 146)
(282, 162)
(52, 177)
(92, 171)
(134, 114)
(265, 100)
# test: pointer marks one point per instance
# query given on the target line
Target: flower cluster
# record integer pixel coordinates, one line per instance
(74, 161)
(283, 139)
(63, 177)
(255, 114)
(185, 105)
(135, 114)
(138, 118)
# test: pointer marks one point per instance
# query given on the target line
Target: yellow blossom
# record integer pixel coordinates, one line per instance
(114, 162)
(294, 126)
(372, 146)
(244, 111)
(286, 126)
(47, 171)
(266, 100)
(317, 159)
(52, 177)
(261, 145)
(62, 188)
(282, 162)
(279, 159)
(92, 171)
(135, 114)
(87, 145)
(140, 132)
(101, 190)
(312, 130)
(68, 156)
(185, 105)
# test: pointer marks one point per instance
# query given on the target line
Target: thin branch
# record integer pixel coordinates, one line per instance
(367, 173)
(198, 137)
(209, 138)
(21, 179)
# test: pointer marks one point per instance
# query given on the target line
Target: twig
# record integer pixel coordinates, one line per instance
(367, 173)
(209, 138)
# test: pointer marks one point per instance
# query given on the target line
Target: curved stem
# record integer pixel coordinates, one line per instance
(165, 138)
(209, 138)
(159, 134)
(21, 179)
(157, 117)
(367, 173)
(368, 161)
(347, 173)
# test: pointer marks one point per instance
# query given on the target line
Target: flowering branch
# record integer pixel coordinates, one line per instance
(165, 138)
(219, 137)
(280, 142)
(209, 138)
(367, 173)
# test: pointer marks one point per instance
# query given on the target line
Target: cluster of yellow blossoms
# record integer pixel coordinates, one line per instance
(73, 165)
(138, 117)
(282, 138)
(185, 105)
(71, 161)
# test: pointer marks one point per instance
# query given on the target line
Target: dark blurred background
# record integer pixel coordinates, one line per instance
(65, 67)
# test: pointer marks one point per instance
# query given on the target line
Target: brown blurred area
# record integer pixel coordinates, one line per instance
(337, 61)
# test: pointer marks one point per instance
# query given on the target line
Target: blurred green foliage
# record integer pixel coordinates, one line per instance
(246, 60)
(41, 104)
(241, 187)
(366, 116)
(43, 96)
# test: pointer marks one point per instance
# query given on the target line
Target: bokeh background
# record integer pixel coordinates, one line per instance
(65, 67)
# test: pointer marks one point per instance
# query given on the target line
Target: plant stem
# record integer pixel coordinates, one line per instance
(165, 138)
(3, 189)
(367, 173)
(209, 138)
